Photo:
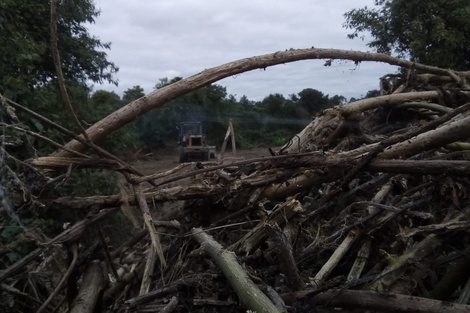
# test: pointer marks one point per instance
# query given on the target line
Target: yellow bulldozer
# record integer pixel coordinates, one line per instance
(192, 143)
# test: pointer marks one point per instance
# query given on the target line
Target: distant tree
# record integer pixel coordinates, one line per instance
(293, 97)
(159, 127)
(213, 107)
(248, 123)
(373, 93)
(313, 100)
(271, 121)
(162, 82)
(275, 105)
(244, 101)
(430, 32)
(142, 127)
(336, 100)
(132, 94)
(209, 105)
(280, 120)
(102, 103)
(151, 127)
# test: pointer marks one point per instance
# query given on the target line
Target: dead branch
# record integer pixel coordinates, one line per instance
(156, 244)
(306, 180)
(279, 216)
(390, 274)
(386, 100)
(91, 288)
(248, 293)
(286, 258)
(63, 280)
(446, 134)
(69, 235)
(58, 69)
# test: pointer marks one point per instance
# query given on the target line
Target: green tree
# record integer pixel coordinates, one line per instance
(153, 127)
(336, 100)
(248, 123)
(132, 94)
(280, 120)
(274, 105)
(25, 46)
(373, 93)
(102, 103)
(213, 109)
(27, 73)
(313, 100)
(430, 32)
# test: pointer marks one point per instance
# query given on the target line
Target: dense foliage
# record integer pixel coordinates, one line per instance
(271, 121)
(430, 32)
(27, 73)
(26, 52)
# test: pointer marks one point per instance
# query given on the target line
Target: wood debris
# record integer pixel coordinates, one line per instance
(367, 208)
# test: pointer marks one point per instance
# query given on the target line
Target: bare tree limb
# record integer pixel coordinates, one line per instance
(248, 293)
(92, 285)
(63, 280)
(58, 69)
(156, 244)
(163, 95)
(70, 234)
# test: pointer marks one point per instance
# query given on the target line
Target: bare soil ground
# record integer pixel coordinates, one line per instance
(169, 159)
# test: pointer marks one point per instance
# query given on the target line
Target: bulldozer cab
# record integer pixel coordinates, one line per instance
(192, 143)
(190, 134)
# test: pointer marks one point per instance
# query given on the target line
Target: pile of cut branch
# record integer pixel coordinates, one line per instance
(366, 208)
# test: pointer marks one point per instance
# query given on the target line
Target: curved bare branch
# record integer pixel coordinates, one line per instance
(163, 95)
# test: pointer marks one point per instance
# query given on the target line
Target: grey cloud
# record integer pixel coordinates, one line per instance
(166, 38)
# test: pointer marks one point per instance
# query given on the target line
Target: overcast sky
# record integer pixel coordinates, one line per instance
(168, 38)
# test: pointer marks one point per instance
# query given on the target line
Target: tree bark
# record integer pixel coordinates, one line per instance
(277, 191)
(248, 293)
(90, 290)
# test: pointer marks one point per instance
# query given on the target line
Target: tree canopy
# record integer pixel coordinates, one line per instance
(429, 32)
(26, 52)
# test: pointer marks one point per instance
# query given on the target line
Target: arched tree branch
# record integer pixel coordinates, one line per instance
(163, 95)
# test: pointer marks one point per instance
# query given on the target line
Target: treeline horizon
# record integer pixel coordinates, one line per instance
(269, 122)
